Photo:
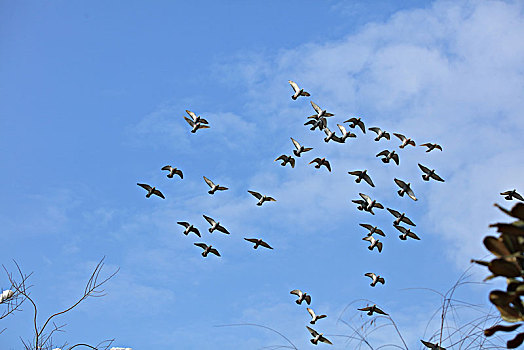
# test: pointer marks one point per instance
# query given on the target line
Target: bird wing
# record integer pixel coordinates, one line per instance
(255, 194)
(292, 161)
(196, 231)
(327, 165)
(316, 160)
(307, 149)
(383, 153)
(270, 199)
(375, 129)
(378, 205)
(307, 298)
(367, 226)
(337, 139)
(214, 251)
(393, 212)
(369, 238)
(379, 246)
(294, 86)
(423, 168)
(222, 229)
(381, 280)
(295, 142)
(158, 193)
(370, 275)
(282, 157)
(518, 196)
(411, 194)
(367, 308)
(179, 173)
(222, 188)
(191, 114)
(368, 180)
(327, 131)
(145, 186)
(351, 120)
(436, 177)
(342, 129)
(365, 197)
(362, 126)
(439, 147)
(189, 121)
(297, 292)
(311, 312)
(183, 223)
(323, 123)
(387, 136)
(395, 158)
(426, 144)
(265, 245)
(408, 221)
(356, 172)
(413, 235)
(316, 107)
(167, 167)
(506, 193)
(400, 136)
(411, 142)
(400, 183)
(201, 126)
(201, 245)
(208, 182)
(401, 228)
(321, 316)
(312, 331)
(324, 340)
(252, 240)
(312, 122)
(380, 232)
(379, 311)
(210, 220)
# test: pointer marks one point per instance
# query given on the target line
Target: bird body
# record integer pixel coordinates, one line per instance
(258, 242)
(302, 296)
(214, 187)
(321, 162)
(405, 188)
(380, 133)
(317, 337)
(298, 91)
(151, 190)
(215, 225)
(429, 174)
(388, 156)
(375, 279)
(173, 171)
(207, 249)
(261, 198)
(189, 228)
(362, 175)
(299, 148)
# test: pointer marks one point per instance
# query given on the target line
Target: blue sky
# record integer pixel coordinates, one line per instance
(93, 96)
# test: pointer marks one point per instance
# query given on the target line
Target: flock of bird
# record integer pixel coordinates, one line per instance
(365, 203)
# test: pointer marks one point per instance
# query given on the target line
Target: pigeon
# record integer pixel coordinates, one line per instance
(375, 279)
(356, 121)
(373, 229)
(330, 135)
(258, 242)
(362, 175)
(298, 91)
(380, 133)
(367, 204)
(6, 295)
(301, 296)
(406, 232)
(388, 156)
(431, 146)
(345, 134)
(321, 162)
(405, 141)
(405, 188)
(317, 337)
(215, 225)
(189, 228)
(151, 190)
(509, 195)
(320, 112)
(299, 148)
(429, 174)
(320, 123)
(207, 249)
(196, 126)
(373, 243)
(314, 317)
(195, 118)
(261, 198)
(286, 159)
(173, 171)
(371, 309)
(214, 187)
(400, 218)
(432, 346)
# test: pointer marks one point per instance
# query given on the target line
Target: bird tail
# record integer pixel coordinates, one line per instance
(385, 160)
(296, 153)
(400, 193)
(294, 97)
(170, 175)
(425, 177)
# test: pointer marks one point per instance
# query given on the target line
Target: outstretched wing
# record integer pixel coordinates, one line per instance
(158, 193)
(295, 142)
(179, 173)
(191, 114)
(365, 197)
(401, 228)
(222, 229)
(316, 107)
(412, 235)
(423, 168)
(311, 312)
(411, 194)
(307, 298)
(327, 165)
(367, 226)
(145, 186)
(408, 221)
(297, 292)
(379, 311)
(351, 120)
(518, 196)
(400, 136)
(356, 172)
(400, 183)
(393, 212)
(368, 180)
(316, 160)
(325, 340)
(395, 158)
(436, 177)
(342, 129)
(214, 251)
(382, 153)
(294, 86)
(183, 223)
(252, 240)
(370, 275)
(255, 194)
(282, 157)
(189, 121)
(312, 331)
(292, 161)
(362, 126)
(375, 129)
(208, 182)
(210, 220)
(201, 245)
(265, 245)
(167, 167)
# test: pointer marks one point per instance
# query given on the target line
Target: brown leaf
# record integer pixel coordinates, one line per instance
(496, 246)
(492, 330)
(515, 342)
(517, 211)
(502, 267)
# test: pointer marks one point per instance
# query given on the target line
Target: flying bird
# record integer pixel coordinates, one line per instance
(196, 126)
(214, 187)
(299, 148)
(380, 133)
(405, 141)
(400, 217)
(367, 204)
(298, 91)
(375, 279)
(195, 118)
(405, 188)
(388, 156)
(258, 242)
(151, 190)
(301, 296)
(429, 174)
(320, 123)
(320, 112)
(373, 229)
(362, 175)
(314, 317)
(189, 228)
(406, 232)
(345, 134)
(373, 243)
(432, 346)
(215, 225)
(371, 309)
(509, 195)
(321, 162)
(261, 198)
(286, 159)
(207, 249)
(173, 171)
(431, 146)
(356, 121)
(317, 337)
(6, 295)
(330, 135)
